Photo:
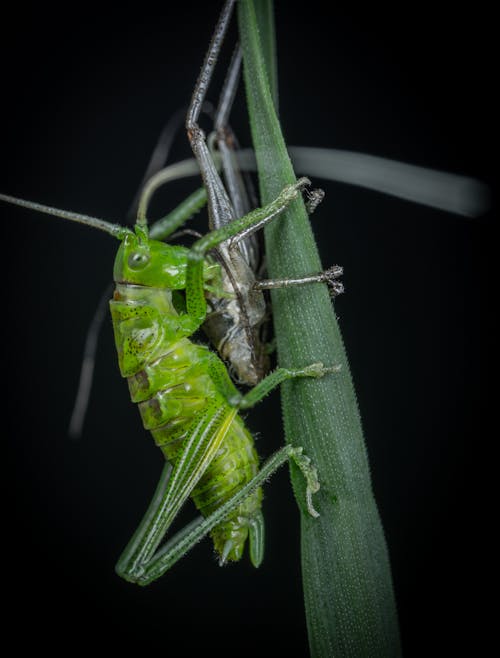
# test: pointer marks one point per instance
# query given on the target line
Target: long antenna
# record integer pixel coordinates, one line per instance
(88, 363)
(115, 230)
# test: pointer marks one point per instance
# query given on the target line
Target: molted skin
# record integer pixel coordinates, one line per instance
(235, 335)
(169, 377)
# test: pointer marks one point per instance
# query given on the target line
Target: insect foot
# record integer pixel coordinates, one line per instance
(310, 474)
(317, 370)
(330, 277)
(291, 192)
(301, 184)
(314, 198)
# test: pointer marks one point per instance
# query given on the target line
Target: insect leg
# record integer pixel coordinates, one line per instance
(144, 571)
(174, 489)
(167, 225)
(132, 554)
(237, 229)
(226, 140)
(263, 388)
(219, 205)
(227, 145)
(220, 376)
(240, 228)
(141, 561)
(329, 276)
(266, 385)
(235, 327)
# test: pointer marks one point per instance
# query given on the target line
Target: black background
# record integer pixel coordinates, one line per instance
(85, 95)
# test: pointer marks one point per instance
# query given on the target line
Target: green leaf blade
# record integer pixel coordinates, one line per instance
(348, 593)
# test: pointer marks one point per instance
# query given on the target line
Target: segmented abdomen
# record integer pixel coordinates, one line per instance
(169, 378)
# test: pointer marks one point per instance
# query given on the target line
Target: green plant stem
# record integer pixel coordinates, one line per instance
(349, 600)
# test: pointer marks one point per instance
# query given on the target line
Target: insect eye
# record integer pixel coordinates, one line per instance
(137, 260)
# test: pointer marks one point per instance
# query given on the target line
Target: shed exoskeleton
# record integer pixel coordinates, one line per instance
(235, 320)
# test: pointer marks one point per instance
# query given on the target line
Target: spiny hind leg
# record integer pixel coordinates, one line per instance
(176, 483)
(130, 565)
(138, 566)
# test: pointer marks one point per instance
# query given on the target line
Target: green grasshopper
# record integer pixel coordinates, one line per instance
(184, 392)
(186, 397)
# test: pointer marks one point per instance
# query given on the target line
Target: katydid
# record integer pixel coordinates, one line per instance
(186, 397)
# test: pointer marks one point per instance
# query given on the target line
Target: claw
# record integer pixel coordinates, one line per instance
(310, 473)
(314, 198)
(301, 183)
(330, 277)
